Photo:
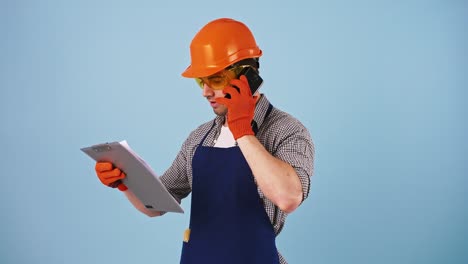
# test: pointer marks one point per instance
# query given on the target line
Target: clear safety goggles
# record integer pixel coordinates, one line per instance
(220, 80)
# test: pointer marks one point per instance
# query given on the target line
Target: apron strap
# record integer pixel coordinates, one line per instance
(203, 140)
(254, 124)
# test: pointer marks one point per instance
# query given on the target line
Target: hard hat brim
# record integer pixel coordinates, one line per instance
(192, 72)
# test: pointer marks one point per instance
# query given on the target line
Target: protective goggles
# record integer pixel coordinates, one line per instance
(220, 80)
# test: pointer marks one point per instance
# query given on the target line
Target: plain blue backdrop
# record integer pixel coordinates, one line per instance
(381, 85)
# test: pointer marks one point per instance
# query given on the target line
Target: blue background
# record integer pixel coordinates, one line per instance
(381, 85)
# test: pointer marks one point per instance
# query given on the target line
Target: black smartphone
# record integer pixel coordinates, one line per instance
(255, 81)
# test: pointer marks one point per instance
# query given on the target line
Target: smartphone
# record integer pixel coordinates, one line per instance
(255, 81)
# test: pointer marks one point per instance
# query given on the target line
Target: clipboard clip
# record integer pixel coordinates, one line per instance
(102, 148)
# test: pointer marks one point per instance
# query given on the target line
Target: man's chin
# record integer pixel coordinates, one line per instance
(220, 112)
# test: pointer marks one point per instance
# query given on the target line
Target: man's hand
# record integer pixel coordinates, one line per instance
(110, 176)
(241, 107)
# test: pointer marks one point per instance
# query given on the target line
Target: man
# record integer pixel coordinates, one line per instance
(246, 169)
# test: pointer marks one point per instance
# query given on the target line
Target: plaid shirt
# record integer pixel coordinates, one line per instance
(281, 134)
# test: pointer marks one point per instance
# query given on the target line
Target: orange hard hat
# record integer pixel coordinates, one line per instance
(217, 45)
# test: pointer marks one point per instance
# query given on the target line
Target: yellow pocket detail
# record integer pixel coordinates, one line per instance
(187, 235)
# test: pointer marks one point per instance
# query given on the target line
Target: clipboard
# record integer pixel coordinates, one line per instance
(140, 178)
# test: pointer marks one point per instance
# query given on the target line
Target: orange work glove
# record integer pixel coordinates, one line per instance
(110, 176)
(241, 107)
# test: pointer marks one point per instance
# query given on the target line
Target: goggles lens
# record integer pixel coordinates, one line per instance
(220, 80)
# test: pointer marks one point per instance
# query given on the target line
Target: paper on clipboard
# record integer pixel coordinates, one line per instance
(141, 179)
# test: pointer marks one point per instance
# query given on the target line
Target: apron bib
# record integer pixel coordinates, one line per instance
(228, 222)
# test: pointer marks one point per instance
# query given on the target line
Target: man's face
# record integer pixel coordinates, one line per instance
(212, 88)
(210, 94)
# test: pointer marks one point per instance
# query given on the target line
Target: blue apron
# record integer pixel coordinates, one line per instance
(228, 222)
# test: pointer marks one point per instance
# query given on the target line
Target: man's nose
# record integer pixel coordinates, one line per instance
(207, 91)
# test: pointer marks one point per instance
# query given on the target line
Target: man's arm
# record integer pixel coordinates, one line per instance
(274, 172)
(277, 179)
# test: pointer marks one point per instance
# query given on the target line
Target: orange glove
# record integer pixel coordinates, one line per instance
(110, 176)
(241, 107)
